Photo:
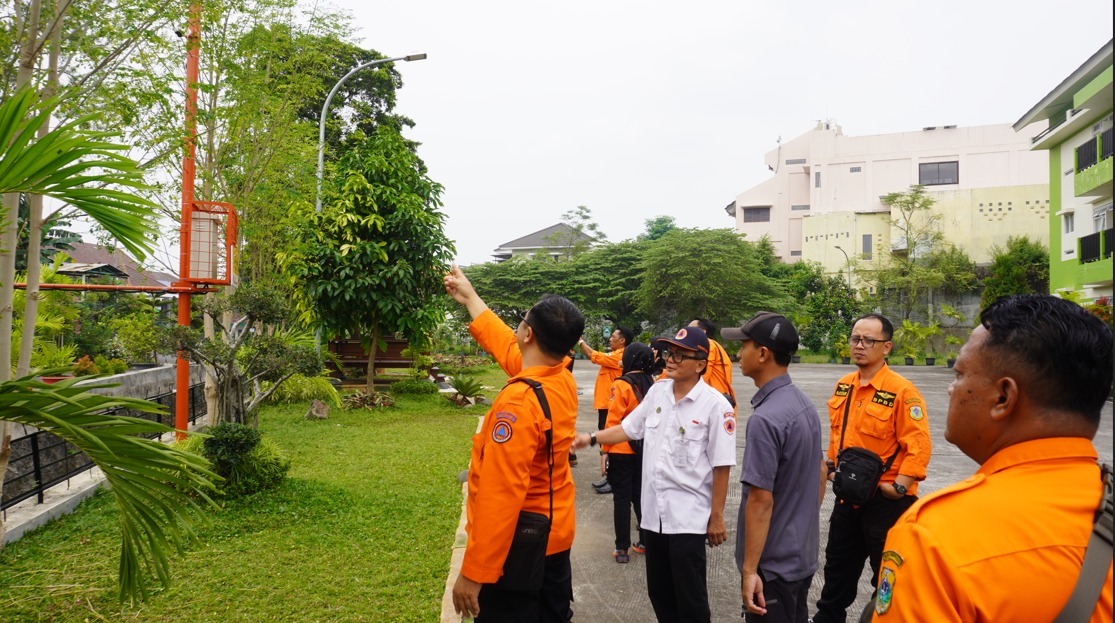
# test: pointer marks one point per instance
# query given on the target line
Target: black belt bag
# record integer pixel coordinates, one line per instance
(525, 565)
(858, 470)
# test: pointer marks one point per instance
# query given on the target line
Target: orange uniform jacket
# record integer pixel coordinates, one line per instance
(885, 416)
(719, 371)
(624, 400)
(611, 366)
(1003, 545)
(509, 470)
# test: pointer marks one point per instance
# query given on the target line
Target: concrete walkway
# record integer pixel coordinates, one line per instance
(606, 592)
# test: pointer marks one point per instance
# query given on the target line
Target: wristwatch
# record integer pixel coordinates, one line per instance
(592, 438)
(899, 489)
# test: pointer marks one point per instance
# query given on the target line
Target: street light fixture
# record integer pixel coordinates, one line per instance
(849, 263)
(325, 111)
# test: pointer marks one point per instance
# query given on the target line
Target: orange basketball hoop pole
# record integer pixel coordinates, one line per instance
(182, 371)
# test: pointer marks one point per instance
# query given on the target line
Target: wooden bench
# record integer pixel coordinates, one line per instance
(352, 355)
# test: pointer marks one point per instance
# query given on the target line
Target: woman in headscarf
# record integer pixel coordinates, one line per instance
(625, 460)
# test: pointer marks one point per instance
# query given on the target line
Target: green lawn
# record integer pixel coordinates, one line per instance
(361, 530)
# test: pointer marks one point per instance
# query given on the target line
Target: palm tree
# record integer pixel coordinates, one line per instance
(156, 486)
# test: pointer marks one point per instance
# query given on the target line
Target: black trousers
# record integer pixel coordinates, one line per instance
(549, 605)
(625, 474)
(677, 580)
(855, 535)
(787, 602)
(601, 418)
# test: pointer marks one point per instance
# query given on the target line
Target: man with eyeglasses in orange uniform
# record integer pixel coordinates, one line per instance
(719, 373)
(689, 448)
(510, 469)
(885, 414)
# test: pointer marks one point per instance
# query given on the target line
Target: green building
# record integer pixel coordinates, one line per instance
(1079, 143)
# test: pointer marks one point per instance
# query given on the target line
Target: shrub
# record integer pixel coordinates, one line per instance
(85, 367)
(102, 363)
(467, 386)
(360, 400)
(117, 366)
(248, 462)
(299, 388)
(400, 388)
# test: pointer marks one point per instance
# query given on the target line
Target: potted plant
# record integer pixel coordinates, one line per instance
(954, 342)
(51, 357)
(926, 333)
(843, 350)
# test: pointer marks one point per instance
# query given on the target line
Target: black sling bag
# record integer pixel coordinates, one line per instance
(525, 565)
(858, 470)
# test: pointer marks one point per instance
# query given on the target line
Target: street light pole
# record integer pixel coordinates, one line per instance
(325, 112)
(849, 263)
(321, 136)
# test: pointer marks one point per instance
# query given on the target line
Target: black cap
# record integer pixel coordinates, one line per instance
(768, 329)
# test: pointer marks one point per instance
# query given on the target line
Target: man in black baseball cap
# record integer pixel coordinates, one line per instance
(783, 475)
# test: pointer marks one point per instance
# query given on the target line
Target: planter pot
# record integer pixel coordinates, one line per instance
(795, 359)
(51, 380)
(930, 361)
(909, 361)
(845, 360)
(950, 361)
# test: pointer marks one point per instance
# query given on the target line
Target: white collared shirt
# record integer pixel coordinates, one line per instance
(700, 431)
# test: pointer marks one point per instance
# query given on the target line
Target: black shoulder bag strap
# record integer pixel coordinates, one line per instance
(634, 387)
(538, 391)
(1097, 557)
(844, 426)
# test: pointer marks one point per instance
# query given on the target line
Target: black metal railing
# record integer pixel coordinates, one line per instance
(41, 460)
(1090, 248)
(1086, 155)
(1106, 144)
(1107, 242)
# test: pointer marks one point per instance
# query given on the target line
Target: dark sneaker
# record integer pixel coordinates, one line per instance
(606, 489)
(621, 556)
(639, 548)
(601, 483)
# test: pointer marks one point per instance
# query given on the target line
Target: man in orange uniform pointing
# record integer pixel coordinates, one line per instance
(1007, 544)
(510, 470)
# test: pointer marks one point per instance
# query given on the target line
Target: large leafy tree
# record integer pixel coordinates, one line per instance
(372, 261)
(704, 272)
(905, 275)
(827, 306)
(1020, 267)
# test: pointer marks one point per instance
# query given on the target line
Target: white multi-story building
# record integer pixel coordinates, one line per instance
(822, 202)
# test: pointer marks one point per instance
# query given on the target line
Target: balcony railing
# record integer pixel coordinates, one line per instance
(1090, 248)
(1086, 155)
(1107, 242)
(1106, 144)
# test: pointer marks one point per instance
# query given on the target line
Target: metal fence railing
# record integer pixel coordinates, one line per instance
(41, 460)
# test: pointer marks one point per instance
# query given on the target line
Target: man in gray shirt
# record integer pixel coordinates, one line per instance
(783, 475)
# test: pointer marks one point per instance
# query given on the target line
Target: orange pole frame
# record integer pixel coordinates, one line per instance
(182, 370)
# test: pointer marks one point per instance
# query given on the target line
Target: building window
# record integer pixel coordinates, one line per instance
(756, 215)
(1068, 223)
(1101, 218)
(866, 254)
(855, 170)
(817, 179)
(937, 173)
(795, 253)
(800, 207)
(796, 161)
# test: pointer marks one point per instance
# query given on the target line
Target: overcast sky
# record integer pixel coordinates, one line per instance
(637, 109)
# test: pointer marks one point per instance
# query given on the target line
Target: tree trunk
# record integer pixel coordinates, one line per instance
(35, 212)
(372, 350)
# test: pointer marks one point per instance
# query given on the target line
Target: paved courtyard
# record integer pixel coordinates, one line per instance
(607, 592)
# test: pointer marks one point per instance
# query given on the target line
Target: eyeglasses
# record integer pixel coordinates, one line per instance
(868, 342)
(680, 356)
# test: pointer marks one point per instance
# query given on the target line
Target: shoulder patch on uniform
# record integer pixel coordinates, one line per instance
(916, 412)
(883, 398)
(501, 432)
(730, 426)
(886, 590)
(842, 389)
(504, 415)
(911, 400)
(892, 556)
